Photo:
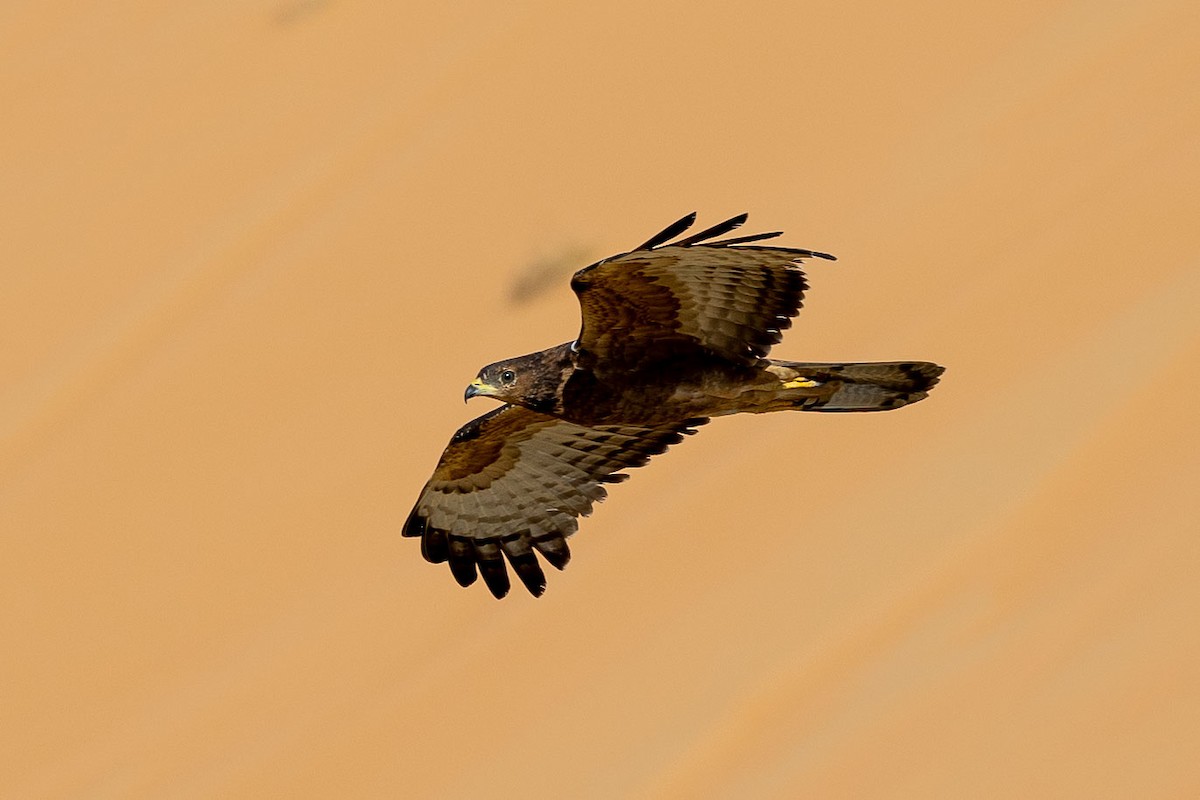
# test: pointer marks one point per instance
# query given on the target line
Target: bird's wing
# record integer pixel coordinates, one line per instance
(701, 294)
(514, 481)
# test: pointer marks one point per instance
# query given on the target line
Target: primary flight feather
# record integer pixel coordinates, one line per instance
(672, 333)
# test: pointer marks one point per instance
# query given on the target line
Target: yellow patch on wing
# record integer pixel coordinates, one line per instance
(801, 383)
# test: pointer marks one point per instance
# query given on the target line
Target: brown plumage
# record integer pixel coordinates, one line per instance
(672, 334)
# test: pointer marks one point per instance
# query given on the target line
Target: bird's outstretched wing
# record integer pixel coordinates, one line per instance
(514, 481)
(701, 294)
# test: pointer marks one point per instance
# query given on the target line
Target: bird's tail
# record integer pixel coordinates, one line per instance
(877, 386)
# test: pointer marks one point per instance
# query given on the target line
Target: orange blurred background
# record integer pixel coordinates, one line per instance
(253, 253)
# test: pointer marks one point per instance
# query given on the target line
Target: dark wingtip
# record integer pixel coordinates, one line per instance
(754, 237)
(434, 547)
(496, 578)
(554, 549)
(924, 374)
(464, 573)
(670, 232)
(529, 571)
(461, 554)
(413, 526)
(719, 229)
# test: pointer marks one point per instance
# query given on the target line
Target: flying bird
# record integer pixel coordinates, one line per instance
(673, 333)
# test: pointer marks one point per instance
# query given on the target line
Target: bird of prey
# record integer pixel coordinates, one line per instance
(673, 333)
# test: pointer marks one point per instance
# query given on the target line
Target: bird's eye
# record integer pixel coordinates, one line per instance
(508, 376)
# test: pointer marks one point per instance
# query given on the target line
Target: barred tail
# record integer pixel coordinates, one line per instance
(877, 386)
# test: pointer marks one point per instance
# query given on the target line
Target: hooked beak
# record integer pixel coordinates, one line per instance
(476, 388)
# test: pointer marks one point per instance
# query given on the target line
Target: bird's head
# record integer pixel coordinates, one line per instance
(534, 381)
(504, 380)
